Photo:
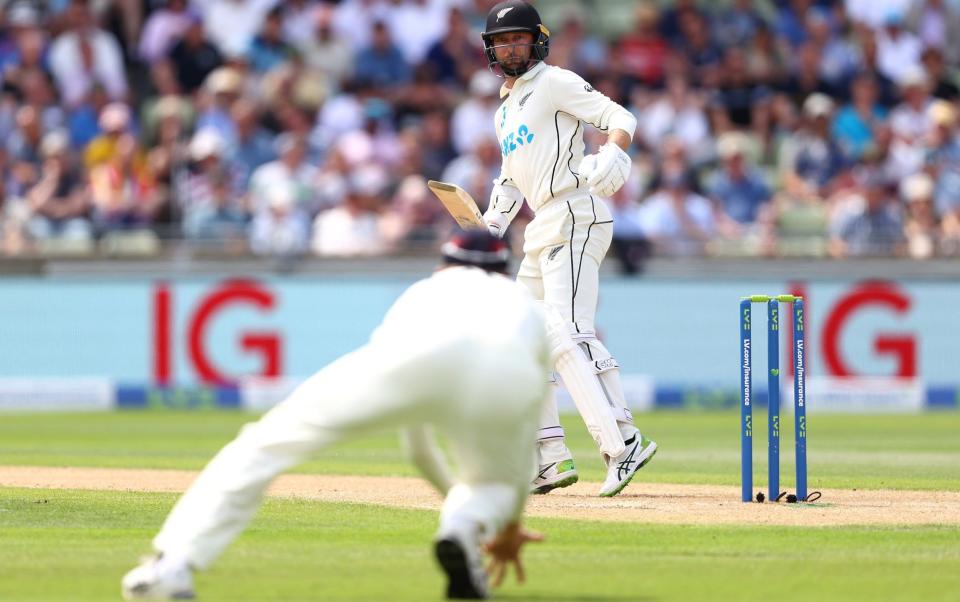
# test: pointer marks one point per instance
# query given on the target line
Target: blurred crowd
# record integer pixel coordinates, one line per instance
(309, 127)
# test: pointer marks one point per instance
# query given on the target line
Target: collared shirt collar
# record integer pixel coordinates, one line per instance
(530, 74)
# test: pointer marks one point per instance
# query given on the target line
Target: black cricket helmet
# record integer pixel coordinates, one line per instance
(477, 248)
(515, 15)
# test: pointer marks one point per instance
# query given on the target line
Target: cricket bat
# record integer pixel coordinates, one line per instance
(458, 203)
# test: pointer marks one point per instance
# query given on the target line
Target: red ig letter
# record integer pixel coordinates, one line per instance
(265, 344)
(902, 347)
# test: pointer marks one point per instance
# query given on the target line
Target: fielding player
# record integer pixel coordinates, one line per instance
(540, 129)
(433, 363)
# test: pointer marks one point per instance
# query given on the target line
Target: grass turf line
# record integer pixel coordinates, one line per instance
(75, 545)
(845, 451)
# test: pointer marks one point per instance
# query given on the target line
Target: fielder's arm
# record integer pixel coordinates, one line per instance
(422, 448)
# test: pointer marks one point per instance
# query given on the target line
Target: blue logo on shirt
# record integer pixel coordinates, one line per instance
(514, 139)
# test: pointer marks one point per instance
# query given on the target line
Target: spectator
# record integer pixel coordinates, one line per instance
(436, 147)
(353, 21)
(268, 50)
(220, 90)
(679, 114)
(123, 191)
(922, 228)
(471, 119)
(909, 120)
(874, 228)
(59, 202)
(29, 51)
(943, 157)
(839, 59)
(475, 171)
(291, 173)
(738, 189)
(937, 24)
(737, 24)
(254, 144)
(870, 59)
(14, 215)
(381, 65)
(677, 220)
(209, 169)
(325, 51)
(672, 18)
(414, 214)
(898, 50)
(85, 56)
(114, 122)
(23, 151)
(423, 95)
(806, 76)
(279, 228)
(577, 50)
(811, 156)
(232, 24)
(789, 21)
(853, 127)
(428, 18)
(643, 51)
(163, 28)
(767, 59)
(454, 57)
(943, 81)
(194, 57)
(737, 95)
(702, 53)
(299, 18)
(354, 227)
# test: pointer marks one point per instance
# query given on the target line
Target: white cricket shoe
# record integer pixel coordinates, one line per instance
(459, 556)
(620, 470)
(155, 579)
(554, 475)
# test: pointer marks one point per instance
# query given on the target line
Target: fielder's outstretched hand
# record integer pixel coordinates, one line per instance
(504, 550)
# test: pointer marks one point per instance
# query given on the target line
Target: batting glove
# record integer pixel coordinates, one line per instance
(505, 203)
(607, 170)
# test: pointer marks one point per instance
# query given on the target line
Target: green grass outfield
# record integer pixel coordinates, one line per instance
(74, 545)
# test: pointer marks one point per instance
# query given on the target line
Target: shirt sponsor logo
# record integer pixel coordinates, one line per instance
(513, 140)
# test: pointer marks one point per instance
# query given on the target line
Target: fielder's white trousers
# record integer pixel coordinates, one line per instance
(485, 400)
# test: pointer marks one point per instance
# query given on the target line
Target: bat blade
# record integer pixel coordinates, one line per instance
(458, 203)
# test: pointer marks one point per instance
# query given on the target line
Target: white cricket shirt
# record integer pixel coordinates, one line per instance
(540, 128)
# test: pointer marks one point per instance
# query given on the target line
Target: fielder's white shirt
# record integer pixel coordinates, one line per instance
(455, 301)
(540, 128)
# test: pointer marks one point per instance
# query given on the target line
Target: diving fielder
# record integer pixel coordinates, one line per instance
(540, 129)
(433, 362)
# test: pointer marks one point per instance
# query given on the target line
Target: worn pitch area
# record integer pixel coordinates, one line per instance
(640, 502)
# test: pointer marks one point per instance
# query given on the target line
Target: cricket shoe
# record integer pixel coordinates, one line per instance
(620, 470)
(155, 579)
(459, 556)
(554, 476)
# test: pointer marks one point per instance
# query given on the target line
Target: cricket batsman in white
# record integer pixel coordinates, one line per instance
(540, 128)
(434, 362)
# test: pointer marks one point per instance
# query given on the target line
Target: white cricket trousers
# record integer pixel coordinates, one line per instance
(563, 248)
(485, 398)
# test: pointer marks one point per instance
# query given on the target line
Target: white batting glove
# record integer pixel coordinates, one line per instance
(496, 224)
(505, 202)
(606, 170)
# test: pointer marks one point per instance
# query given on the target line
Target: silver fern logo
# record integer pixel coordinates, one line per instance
(503, 12)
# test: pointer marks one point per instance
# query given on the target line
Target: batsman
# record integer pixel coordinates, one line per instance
(540, 126)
